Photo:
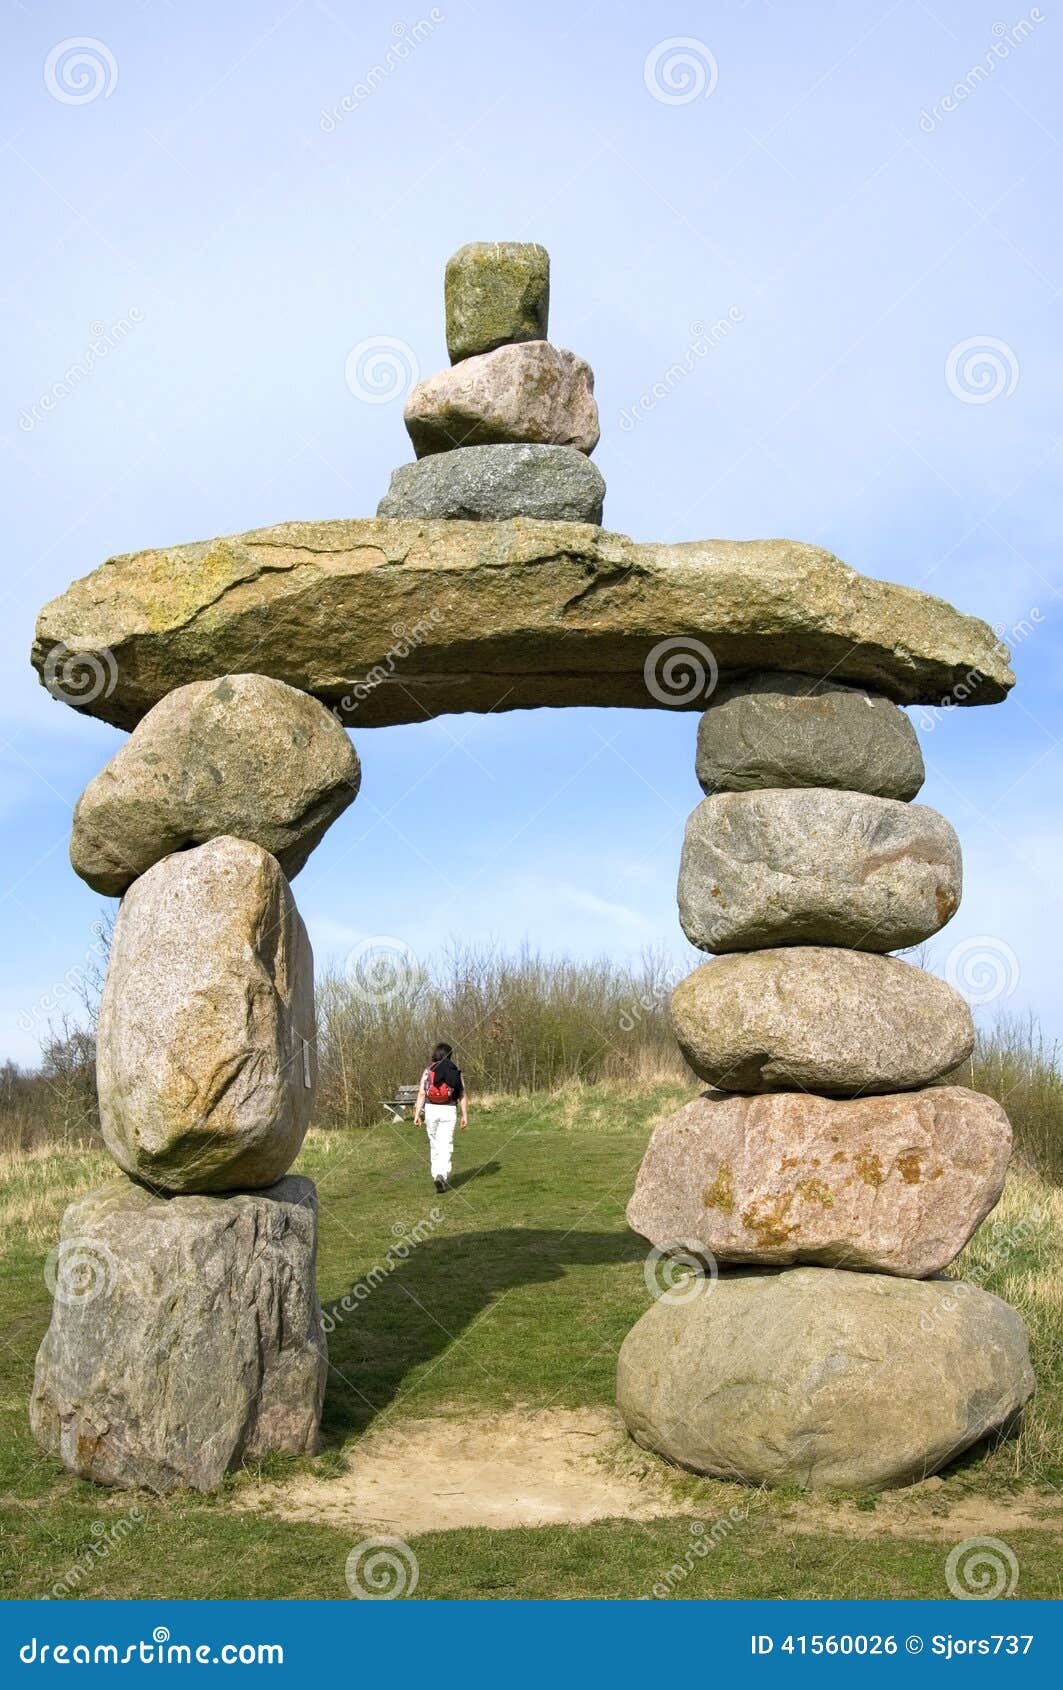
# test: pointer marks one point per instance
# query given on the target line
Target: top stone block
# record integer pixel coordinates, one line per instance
(497, 292)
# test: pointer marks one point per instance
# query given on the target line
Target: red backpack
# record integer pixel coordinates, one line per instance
(437, 1089)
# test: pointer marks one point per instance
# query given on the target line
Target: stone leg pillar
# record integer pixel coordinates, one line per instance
(825, 1181)
(186, 1334)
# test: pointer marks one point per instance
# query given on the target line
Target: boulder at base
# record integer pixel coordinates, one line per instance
(817, 1018)
(206, 1061)
(891, 1184)
(816, 867)
(244, 755)
(820, 1378)
(186, 1335)
(768, 729)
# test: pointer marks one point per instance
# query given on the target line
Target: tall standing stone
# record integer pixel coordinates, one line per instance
(206, 1054)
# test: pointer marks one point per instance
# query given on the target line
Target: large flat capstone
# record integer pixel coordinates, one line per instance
(394, 620)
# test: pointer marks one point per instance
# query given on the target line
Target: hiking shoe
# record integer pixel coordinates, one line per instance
(441, 1184)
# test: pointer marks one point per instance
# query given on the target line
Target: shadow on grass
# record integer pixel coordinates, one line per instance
(464, 1176)
(427, 1302)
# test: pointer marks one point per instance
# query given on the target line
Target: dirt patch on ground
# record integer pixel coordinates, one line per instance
(522, 1468)
(548, 1467)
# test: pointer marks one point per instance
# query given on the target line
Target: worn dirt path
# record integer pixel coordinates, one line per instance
(572, 1466)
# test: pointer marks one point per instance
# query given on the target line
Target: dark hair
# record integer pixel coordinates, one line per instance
(442, 1051)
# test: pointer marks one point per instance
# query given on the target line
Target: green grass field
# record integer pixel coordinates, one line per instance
(516, 1300)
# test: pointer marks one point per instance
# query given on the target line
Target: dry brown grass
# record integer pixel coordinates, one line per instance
(1014, 1062)
(1017, 1254)
(520, 1025)
(36, 1185)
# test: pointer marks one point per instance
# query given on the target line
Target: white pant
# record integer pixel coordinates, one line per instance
(440, 1119)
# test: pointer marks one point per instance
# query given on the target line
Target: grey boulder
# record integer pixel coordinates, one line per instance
(493, 483)
(814, 1018)
(820, 1378)
(186, 1335)
(206, 1060)
(814, 866)
(766, 729)
(893, 1184)
(244, 755)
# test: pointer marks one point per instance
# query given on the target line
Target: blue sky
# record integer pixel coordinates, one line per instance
(240, 203)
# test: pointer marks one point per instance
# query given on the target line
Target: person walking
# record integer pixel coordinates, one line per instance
(440, 1097)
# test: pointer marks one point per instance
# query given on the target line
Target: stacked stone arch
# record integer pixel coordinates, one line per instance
(827, 1176)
